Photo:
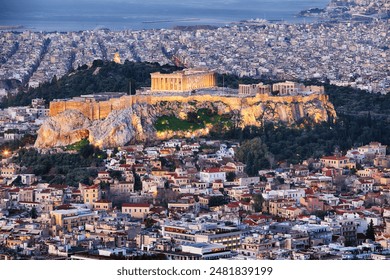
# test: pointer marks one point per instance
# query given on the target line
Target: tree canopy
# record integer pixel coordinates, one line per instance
(370, 233)
(102, 76)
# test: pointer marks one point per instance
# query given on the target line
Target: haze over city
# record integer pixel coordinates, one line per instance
(119, 15)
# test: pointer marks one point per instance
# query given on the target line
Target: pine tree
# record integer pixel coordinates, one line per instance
(370, 233)
(34, 213)
(258, 201)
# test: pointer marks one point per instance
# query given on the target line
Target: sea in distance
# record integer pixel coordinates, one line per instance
(76, 15)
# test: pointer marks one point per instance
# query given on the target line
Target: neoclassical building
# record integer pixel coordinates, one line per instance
(181, 81)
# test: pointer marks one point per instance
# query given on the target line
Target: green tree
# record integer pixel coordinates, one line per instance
(111, 77)
(87, 151)
(370, 233)
(116, 174)
(18, 181)
(60, 168)
(149, 222)
(34, 213)
(166, 195)
(137, 182)
(192, 117)
(217, 201)
(28, 139)
(258, 201)
(253, 153)
(97, 63)
(230, 176)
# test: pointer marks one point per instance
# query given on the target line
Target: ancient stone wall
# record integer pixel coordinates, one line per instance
(100, 110)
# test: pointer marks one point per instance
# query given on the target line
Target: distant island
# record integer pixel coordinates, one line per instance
(311, 12)
(9, 27)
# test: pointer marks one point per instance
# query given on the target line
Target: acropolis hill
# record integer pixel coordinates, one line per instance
(114, 119)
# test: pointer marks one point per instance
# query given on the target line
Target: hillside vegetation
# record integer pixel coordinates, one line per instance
(100, 77)
(112, 77)
(362, 116)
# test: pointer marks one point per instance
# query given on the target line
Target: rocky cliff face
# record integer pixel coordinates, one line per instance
(120, 127)
(66, 128)
(136, 121)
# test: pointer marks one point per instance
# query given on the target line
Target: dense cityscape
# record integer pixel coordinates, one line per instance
(168, 190)
(345, 52)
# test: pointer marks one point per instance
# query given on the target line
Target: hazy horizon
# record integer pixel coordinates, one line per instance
(122, 14)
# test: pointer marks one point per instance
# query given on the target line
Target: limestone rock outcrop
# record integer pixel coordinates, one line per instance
(64, 129)
(131, 118)
(123, 126)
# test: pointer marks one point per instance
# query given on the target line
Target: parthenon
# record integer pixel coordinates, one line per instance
(181, 81)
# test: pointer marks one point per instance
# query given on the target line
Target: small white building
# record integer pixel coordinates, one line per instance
(136, 210)
(211, 175)
(374, 148)
(207, 251)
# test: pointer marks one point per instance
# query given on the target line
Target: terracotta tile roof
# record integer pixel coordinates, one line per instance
(233, 204)
(212, 170)
(136, 205)
(103, 201)
(250, 222)
(334, 158)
